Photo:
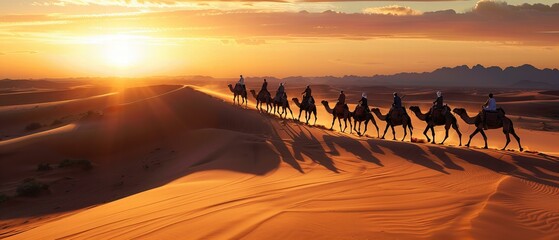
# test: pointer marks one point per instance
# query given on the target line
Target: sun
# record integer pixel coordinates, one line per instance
(121, 51)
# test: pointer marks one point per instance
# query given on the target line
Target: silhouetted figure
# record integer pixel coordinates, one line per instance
(364, 103)
(280, 93)
(242, 82)
(439, 101)
(397, 101)
(264, 89)
(396, 106)
(437, 106)
(341, 98)
(307, 97)
(489, 106)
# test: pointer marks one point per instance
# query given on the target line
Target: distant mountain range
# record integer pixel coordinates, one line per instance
(525, 76)
(478, 76)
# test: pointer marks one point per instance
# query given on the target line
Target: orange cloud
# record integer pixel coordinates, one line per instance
(488, 21)
(391, 10)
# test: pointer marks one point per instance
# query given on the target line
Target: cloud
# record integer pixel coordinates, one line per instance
(528, 24)
(391, 10)
(250, 41)
(134, 3)
(19, 52)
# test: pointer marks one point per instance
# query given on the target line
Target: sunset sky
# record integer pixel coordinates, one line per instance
(135, 38)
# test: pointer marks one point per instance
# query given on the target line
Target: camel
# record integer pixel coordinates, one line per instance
(309, 110)
(339, 112)
(360, 116)
(238, 91)
(404, 120)
(260, 99)
(284, 105)
(447, 121)
(506, 124)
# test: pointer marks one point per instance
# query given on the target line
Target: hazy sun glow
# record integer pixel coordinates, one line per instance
(121, 51)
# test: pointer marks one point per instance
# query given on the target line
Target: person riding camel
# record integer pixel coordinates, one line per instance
(489, 106)
(397, 101)
(341, 98)
(307, 96)
(242, 83)
(364, 103)
(280, 93)
(264, 88)
(396, 105)
(437, 104)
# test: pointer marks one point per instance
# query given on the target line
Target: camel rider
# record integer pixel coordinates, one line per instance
(437, 104)
(397, 101)
(341, 99)
(489, 106)
(281, 92)
(396, 105)
(307, 96)
(364, 102)
(242, 83)
(264, 88)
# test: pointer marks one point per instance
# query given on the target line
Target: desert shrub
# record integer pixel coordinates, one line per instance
(56, 122)
(31, 188)
(43, 167)
(33, 126)
(3, 198)
(83, 163)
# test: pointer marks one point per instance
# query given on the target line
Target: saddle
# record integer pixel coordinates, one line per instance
(340, 107)
(493, 118)
(359, 110)
(397, 112)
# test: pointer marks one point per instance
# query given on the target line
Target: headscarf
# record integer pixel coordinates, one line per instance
(439, 93)
(364, 95)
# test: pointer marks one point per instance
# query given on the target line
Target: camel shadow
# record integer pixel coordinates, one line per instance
(408, 151)
(350, 145)
(305, 143)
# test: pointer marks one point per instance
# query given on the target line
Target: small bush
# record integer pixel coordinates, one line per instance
(83, 163)
(3, 198)
(31, 188)
(33, 126)
(43, 167)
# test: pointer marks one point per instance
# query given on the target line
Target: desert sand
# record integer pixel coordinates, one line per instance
(181, 161)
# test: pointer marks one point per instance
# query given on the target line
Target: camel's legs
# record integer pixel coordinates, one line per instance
(517, 138)
(433, 133)
(350, 126)
(315, 118)
(446, 128)
(425, 133)
(300, 111)
(393, 133)
(333, 121)
(506, 132)
(345, 124)
(471, 136)
(378, 133)
(484, 137)
(365, 131)
(405, 132)
(385, 130)
(455, 126)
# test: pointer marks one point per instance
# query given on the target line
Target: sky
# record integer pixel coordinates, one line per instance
(139, 38)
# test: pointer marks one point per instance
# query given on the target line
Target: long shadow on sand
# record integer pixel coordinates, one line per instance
(405, 150)
(352, 146)
(305, 143)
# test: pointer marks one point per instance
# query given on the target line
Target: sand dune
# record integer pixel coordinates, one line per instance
(181, 164)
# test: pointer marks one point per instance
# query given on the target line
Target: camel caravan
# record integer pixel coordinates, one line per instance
(440, 114)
